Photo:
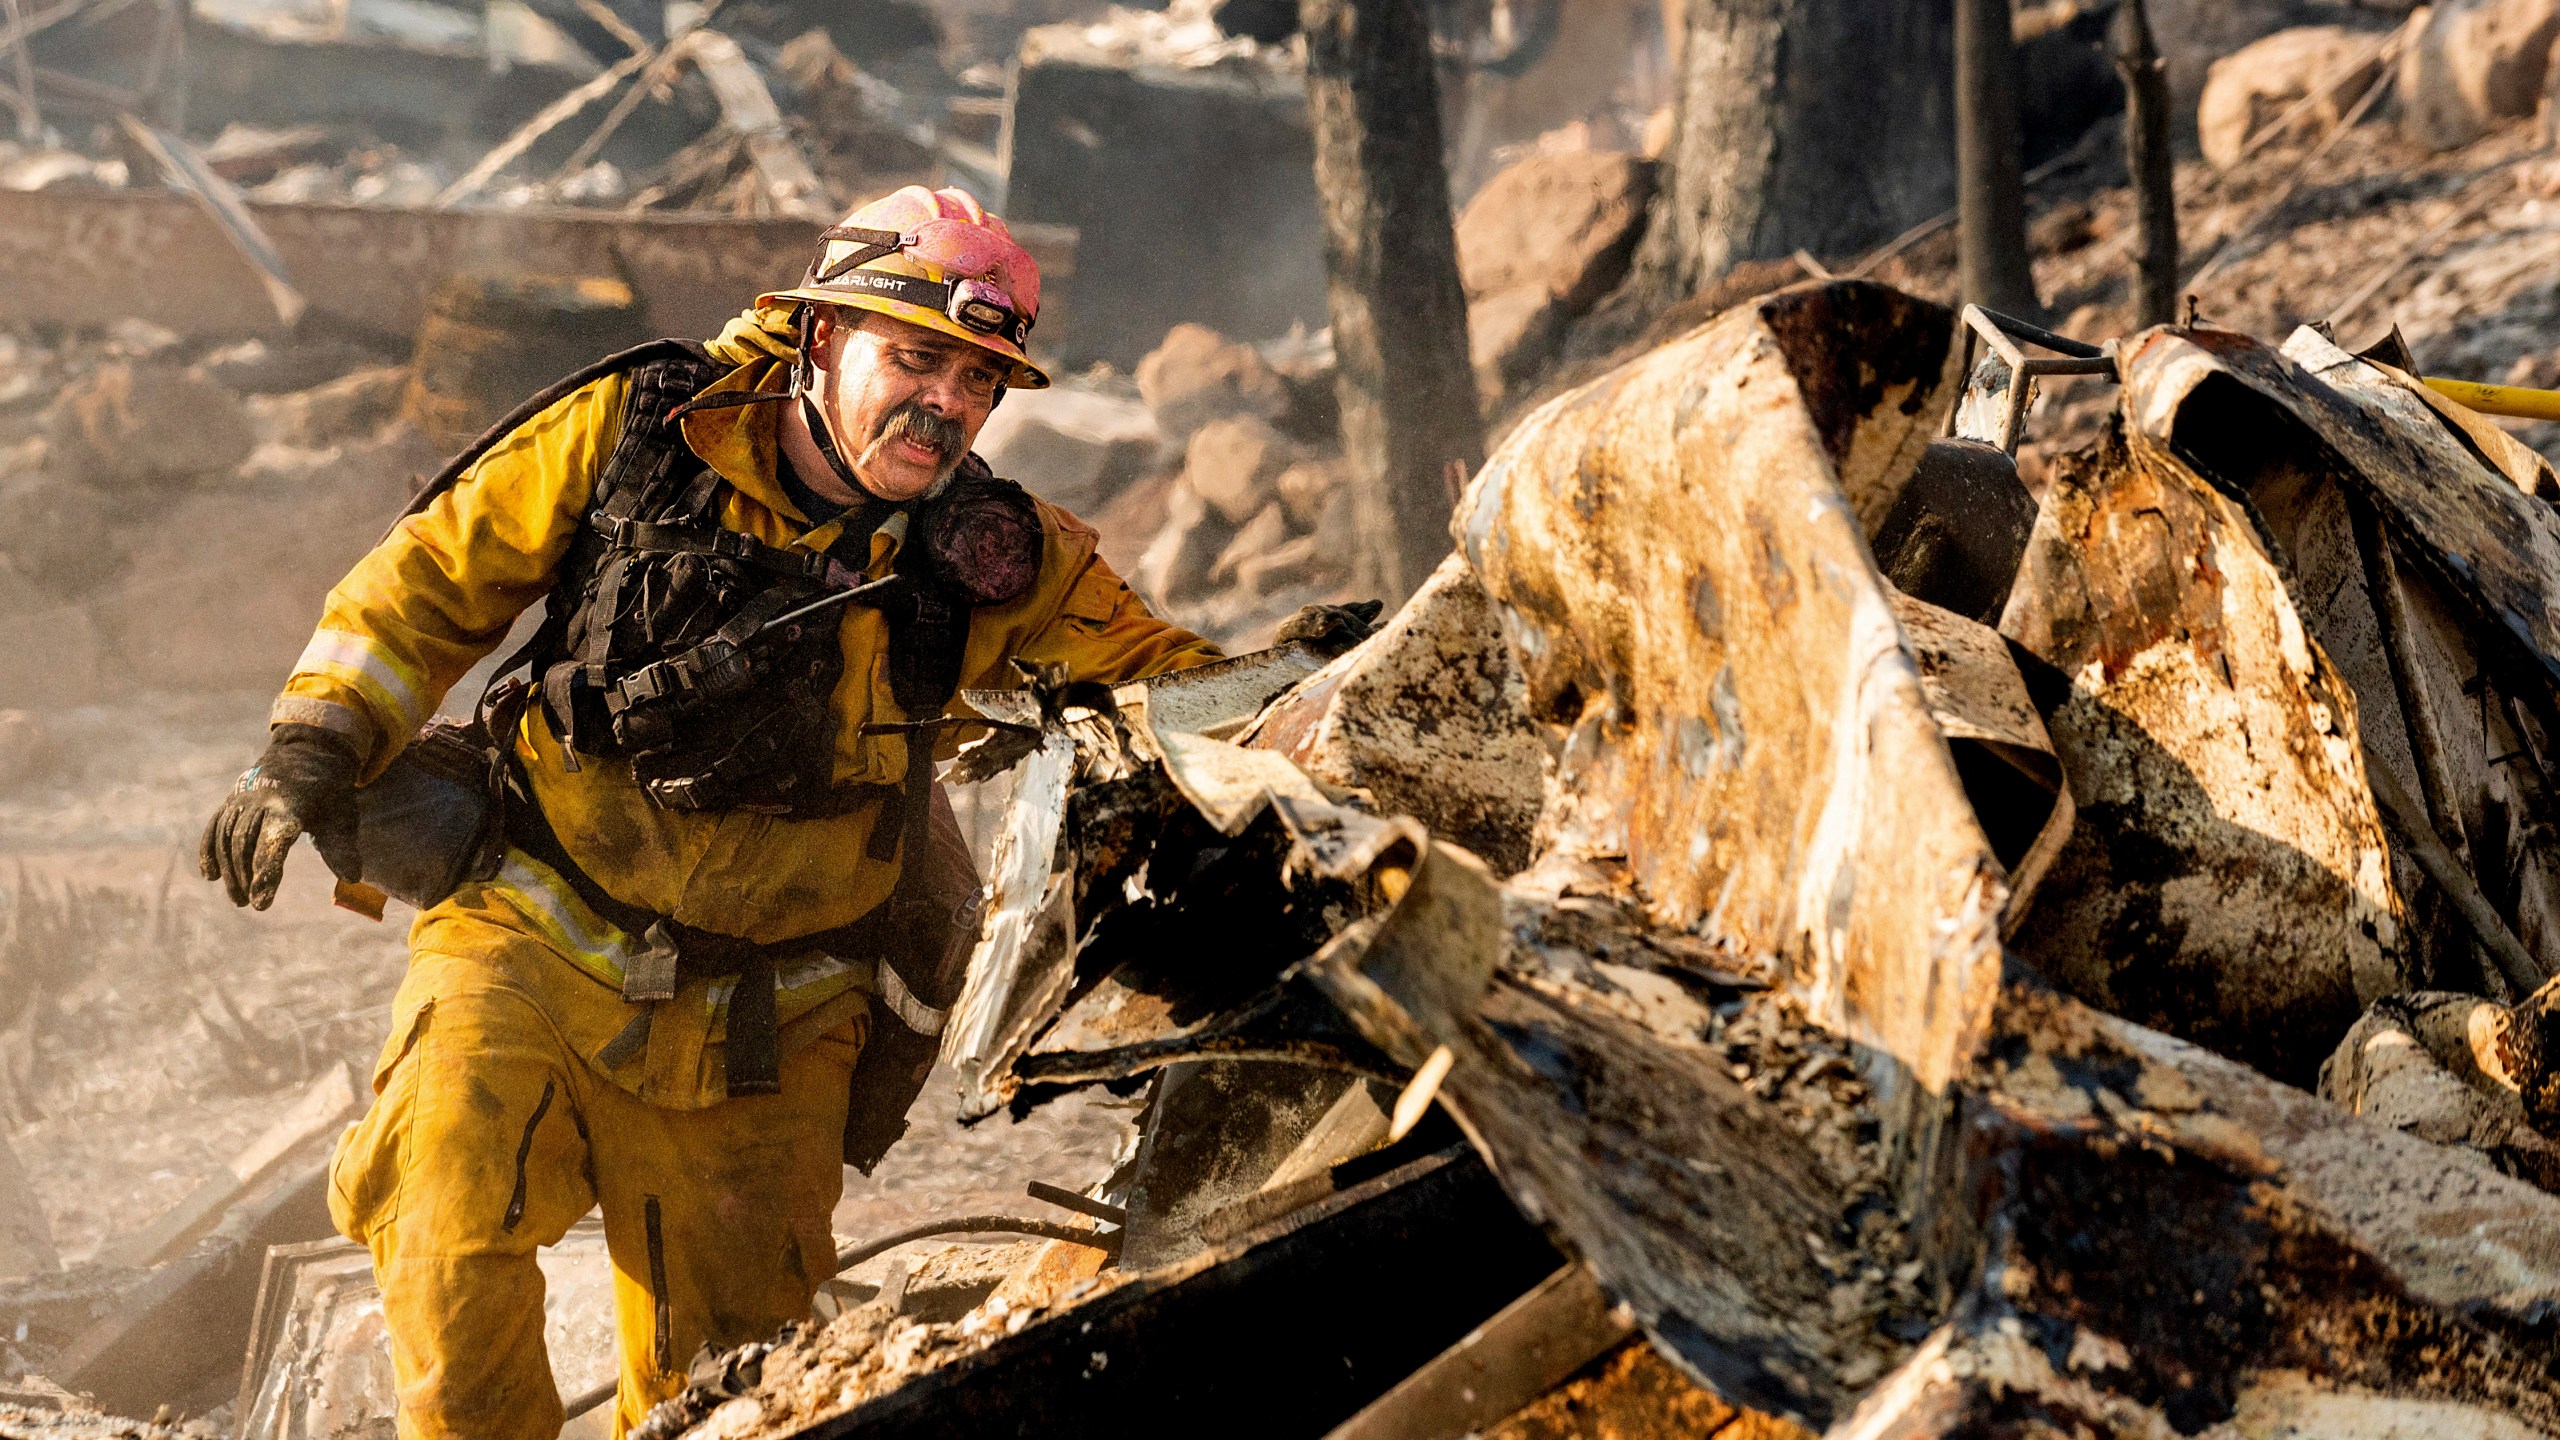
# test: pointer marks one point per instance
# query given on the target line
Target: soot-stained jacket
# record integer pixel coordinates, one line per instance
(441, 592)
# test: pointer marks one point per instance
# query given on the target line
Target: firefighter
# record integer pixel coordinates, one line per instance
(769, 563)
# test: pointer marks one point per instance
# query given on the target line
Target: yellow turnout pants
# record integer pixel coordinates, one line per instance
(490, 1137)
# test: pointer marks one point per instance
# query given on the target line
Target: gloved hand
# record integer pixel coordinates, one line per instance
(304, 784)
(1330, 629)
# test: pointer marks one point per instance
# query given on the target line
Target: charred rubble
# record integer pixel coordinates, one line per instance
(1792, 929)
(1802, 1004)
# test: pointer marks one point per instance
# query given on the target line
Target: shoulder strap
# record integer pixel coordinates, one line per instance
(541, 400)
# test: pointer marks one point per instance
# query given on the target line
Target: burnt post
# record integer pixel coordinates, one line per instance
(1409, 416)
(1821, 125)
(1991, 191)
(2148, 161)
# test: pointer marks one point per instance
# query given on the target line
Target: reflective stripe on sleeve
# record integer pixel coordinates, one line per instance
(393, 688)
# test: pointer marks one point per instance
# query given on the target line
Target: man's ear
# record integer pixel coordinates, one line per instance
(822, 326)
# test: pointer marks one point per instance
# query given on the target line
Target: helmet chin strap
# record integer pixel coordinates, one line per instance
(821, 428)
(823, 432)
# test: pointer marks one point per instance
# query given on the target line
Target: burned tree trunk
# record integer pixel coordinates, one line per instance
(2148, 160)
(1991, 192)
(1825, 125)
(1409, 417)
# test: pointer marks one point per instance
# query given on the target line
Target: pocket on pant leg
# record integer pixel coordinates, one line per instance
(372, 1154)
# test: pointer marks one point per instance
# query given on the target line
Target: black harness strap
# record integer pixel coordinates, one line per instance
(754, 1056)
(541, 400)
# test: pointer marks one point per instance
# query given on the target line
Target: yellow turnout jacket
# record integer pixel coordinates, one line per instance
(441, 593)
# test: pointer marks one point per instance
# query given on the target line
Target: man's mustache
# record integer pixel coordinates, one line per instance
(912, 421)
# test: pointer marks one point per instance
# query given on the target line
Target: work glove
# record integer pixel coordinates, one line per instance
(1330, 630)
(304, 785)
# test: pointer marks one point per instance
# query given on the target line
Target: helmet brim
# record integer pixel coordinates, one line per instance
(1025, 376)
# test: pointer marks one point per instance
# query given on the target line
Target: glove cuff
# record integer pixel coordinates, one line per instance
(292, 734)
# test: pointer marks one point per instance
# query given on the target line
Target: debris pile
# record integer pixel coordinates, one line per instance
(266, 470)
(1913, 875)
(1898, 1008)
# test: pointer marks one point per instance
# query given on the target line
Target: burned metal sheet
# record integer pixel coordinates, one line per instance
(1759, 786)
(1955, 532)
(2174, 1244)
(1610, 1120)
(1228, 784)
(2209, 394)
(2001, 750)
(1682, 572)
(1113, 955)
(2437, 708)
(1217, 699)
(1025, 949)
(1430, 717)
(2227, 880)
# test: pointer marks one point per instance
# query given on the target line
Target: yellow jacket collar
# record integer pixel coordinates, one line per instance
(744, 442)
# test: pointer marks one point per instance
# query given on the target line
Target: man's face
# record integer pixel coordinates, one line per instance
(906, 402)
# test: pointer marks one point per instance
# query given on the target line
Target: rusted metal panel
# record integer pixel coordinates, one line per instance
(1677, 551)
(2228, 879)
(74, 257)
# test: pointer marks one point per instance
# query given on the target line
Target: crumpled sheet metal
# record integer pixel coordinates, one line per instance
(2176, 1244)
(1586, 1090)
(1429, 716)
(1677, 551)
(1026, 942)
(1217, 699)
(1982, 707)
(1230, 785)
(2228, 880)
(1035, 1007)
(2493, 546)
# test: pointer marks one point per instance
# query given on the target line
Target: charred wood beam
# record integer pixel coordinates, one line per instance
(1407, 389)
(1340, 1301)
(1534, 1344)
